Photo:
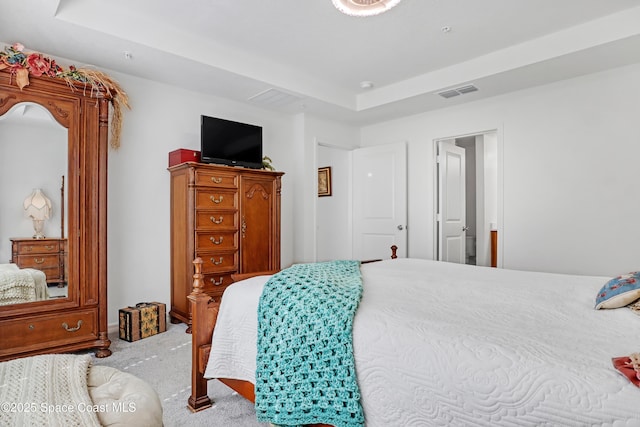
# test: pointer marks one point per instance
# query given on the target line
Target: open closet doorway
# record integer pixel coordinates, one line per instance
(466, 198)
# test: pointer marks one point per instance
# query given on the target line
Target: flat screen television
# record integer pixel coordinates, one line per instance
(230, 143)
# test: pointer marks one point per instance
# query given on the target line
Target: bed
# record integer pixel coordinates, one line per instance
(21, 285)
(448, 344)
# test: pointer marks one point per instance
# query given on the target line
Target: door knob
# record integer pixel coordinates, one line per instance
(465, 228)
(400, 227)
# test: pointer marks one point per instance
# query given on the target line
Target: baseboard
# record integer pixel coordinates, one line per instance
(113, 329)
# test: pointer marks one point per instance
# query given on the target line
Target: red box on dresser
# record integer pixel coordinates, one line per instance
(182, 155)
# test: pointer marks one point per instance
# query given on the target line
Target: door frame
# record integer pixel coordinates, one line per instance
(317, 143)
(499, 132)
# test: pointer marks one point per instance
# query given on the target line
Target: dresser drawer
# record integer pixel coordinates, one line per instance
(48, 264)
(53, 274)
(41, 262)
(215, 284)
(219, 179)
(219, 262)
(216, 220)
(216, 199)
(216, 241)
(49, 330)
(37, 247)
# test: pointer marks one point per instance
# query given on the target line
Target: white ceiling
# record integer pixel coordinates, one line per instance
(307, 49)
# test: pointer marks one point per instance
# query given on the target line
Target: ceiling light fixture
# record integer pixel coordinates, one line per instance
(364, 7)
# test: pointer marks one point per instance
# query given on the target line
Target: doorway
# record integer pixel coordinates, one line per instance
(466, 197)
(366, 212)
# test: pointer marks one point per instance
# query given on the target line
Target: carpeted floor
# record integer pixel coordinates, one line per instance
(164, 361)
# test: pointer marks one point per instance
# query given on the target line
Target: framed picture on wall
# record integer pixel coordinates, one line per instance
(324, 181)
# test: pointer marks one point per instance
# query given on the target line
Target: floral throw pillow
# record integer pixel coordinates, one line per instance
(619, 291)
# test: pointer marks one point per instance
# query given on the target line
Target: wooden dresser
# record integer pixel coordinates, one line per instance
(229, 217)
(47, 255)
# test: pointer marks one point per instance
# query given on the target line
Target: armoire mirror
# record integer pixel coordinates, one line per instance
(78, 318)
(33, 153)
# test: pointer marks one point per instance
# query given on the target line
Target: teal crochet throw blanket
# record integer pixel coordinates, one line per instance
(305, 370)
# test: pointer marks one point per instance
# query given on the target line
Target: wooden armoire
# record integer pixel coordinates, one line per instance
(229, 217)
(77, 320)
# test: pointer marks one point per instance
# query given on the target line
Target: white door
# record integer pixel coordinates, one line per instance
(451, 202)
(379, 201)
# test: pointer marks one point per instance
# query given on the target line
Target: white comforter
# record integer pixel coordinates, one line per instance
(448, 344)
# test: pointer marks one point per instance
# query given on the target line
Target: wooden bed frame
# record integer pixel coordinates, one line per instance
(204, 312)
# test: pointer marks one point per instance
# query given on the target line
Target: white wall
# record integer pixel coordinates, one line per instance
(310, 132)
(333, 219)
(567, 170)
(567, 167)
(162, 119)
(32, 155)
(568, 198)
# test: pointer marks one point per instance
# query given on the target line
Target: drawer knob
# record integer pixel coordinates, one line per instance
(218, 283)
(216, 221)
(32, 327)
(68, 329)
(214, 241)
(216, 201)
(38, 261)
(217, 262)
(216, 180)
(49, 247)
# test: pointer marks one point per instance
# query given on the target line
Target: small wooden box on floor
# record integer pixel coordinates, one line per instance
(142, 321)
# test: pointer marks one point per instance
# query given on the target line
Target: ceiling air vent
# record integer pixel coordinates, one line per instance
(274, 98)
(467, 89)
(450, 93)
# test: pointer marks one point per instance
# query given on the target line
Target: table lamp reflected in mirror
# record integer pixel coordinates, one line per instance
(38, 207)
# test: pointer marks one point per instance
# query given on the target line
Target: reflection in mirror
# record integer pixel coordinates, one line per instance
(33, 155)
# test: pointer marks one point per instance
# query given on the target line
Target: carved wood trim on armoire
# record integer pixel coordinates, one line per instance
(229, 217)
(79, 320)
